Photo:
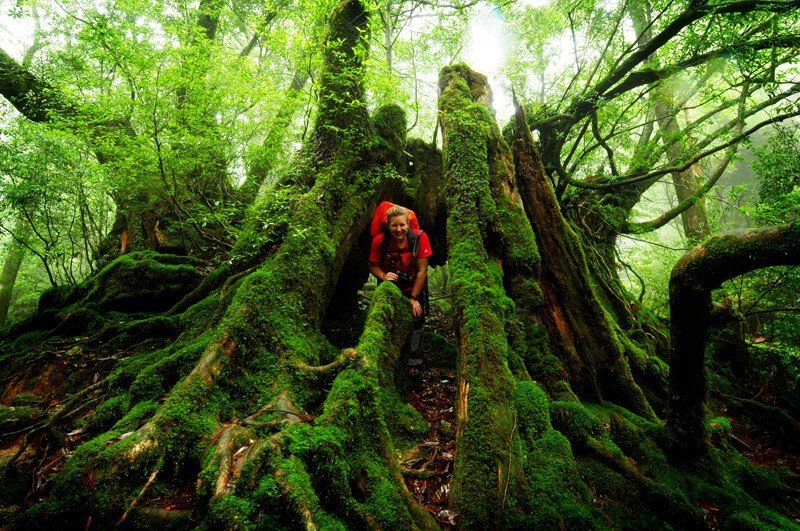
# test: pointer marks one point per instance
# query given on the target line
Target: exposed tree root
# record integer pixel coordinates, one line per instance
(135, 502)
(304, 511)
(62, 413)
(230, 453)
(348, 356)
(668, 506)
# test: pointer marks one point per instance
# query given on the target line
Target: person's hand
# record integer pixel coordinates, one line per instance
(391, 277)
(416, 307)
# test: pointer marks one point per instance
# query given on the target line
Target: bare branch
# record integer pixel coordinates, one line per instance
(691, 161)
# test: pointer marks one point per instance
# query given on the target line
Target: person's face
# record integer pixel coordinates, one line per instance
(398, 227)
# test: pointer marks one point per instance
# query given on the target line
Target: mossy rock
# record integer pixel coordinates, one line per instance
(58, 297)
(78, 320)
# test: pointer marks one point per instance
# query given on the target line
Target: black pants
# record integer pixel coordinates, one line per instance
(417, 328)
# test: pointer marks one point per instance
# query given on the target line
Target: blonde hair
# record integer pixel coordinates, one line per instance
(395, 211)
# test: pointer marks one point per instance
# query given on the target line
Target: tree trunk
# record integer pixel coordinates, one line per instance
(495, 256)
(686, 183)
(579, 329)
(694, 219)
(8, 278)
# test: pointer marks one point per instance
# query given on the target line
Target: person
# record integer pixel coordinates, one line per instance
(400, 255)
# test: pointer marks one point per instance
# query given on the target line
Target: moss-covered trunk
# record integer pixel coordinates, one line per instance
(243, 416)
(582, 333)
(502, 424)
(11, 265)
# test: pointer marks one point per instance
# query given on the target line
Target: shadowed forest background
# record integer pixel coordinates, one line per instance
(190, 337)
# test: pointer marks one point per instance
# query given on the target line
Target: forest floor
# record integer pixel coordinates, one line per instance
(428, 468)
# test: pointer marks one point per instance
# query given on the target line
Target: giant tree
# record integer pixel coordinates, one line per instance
(225, 391)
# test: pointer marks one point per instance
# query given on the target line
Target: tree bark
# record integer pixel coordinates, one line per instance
(579, 329)
(687, 182)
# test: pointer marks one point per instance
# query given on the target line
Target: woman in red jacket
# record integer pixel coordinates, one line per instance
(400, 255)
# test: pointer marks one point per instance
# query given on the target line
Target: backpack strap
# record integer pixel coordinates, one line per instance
(385, 242)
(413, 241)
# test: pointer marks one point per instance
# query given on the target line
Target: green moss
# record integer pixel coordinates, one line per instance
(136, 415)
(158, 282)
(348, 446)
(481, 308)
(158, 326)
(390, 124)
(575, 421)
(187, 417)
(637, 443)
(201, 316)
(719, 427)
(149, 376)
(13, 413)
(521, 252)
(80, 320)
(532, 409)
(26, 399)
(302, 493)
(555, 495)
(438, 351)
(56, 297)
(83, 487)
(108, 413)
(230, 512)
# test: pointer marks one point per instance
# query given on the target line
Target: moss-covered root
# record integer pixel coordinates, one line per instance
(350, 444)
(356, 480)
(693, 278)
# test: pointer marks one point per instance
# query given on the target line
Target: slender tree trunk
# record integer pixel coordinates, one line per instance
(8, 278)
(264, 158)
(687, 182)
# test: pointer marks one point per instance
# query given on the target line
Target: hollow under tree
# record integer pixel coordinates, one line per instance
(250, 408)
